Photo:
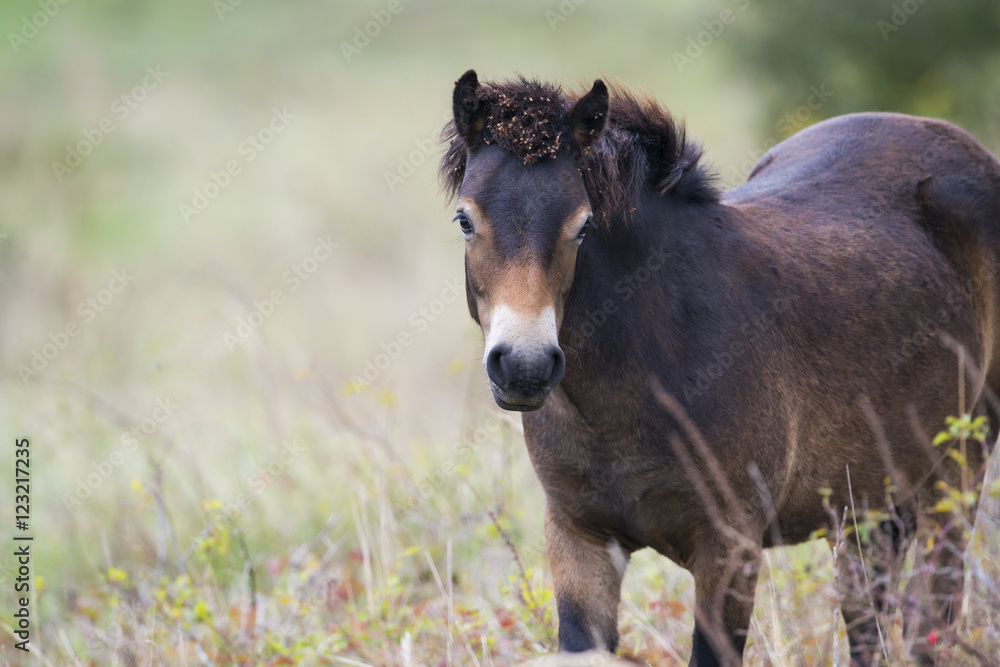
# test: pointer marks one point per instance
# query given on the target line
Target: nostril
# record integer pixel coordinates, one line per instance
(523, 372)
(558, 365)
(495, 365)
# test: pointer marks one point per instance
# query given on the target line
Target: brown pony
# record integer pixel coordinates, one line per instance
(695, 366)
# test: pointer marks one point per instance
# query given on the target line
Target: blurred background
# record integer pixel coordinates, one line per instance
(234, 326)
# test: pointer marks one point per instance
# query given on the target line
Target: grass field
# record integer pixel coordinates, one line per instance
(216, 218)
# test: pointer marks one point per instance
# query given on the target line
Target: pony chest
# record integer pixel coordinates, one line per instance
(609, 489)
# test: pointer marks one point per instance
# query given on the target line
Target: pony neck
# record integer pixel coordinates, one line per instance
(637, 272)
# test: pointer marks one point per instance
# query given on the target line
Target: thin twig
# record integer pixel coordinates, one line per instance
(348, 661)
(251, 580)
(899, 480)
(532, 600)
(864, 569)
(34, 648)
(836, 610)
(971, 650)
(698, 440)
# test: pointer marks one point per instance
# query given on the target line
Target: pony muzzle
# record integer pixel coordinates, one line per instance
(522, 380)
(523, 359)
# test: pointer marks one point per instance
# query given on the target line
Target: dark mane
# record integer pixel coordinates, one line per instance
(641, 147)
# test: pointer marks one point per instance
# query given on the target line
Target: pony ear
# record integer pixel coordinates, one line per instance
(469, 111)
(586, 120)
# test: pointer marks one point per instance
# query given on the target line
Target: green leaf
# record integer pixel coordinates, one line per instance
(945, 505)
(943, 436)
(201, 611)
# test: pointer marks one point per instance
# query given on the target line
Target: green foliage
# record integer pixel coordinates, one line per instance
(924, 57)
(963, 427)
(963, 499)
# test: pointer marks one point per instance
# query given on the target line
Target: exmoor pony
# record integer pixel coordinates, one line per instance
(695, 366)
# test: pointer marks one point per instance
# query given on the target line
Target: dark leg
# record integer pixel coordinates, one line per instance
(725, 579)
(588, 578)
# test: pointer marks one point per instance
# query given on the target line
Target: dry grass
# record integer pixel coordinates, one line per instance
(279, 513)
(408, 565)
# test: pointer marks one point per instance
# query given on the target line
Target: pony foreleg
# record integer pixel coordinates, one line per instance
(587, 576)
(725, 577)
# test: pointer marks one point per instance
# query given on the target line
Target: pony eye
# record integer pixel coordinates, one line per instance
(463, 222)
(583, 230)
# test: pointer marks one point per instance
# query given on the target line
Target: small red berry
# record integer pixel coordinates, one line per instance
(932, 637)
